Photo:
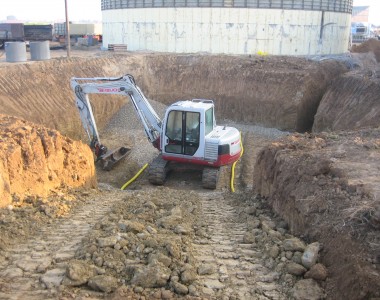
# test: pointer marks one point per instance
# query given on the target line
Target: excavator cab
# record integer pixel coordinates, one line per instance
(182, 132)
(184, 124)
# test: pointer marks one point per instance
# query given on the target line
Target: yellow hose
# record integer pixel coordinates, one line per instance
(134, 177)
(233, 166)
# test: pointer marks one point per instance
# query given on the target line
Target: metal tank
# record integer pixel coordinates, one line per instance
(276, 27)
(15, 51)
(39, 50)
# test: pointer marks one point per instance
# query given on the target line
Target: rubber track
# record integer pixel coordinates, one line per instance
(157, 171)
(210, 178)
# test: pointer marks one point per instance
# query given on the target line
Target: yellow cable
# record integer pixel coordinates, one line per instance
(134, 177)
(233, 166)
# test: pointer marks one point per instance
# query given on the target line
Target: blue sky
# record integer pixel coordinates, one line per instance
(54, 10)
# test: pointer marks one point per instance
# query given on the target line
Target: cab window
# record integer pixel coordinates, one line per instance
(209, 115)
(182, 132)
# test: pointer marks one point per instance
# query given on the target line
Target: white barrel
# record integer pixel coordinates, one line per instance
(15, 51)
(39, 50)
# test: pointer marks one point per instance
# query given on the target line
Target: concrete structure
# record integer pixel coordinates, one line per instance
(39, 50)
(15, 51)
(277, 27)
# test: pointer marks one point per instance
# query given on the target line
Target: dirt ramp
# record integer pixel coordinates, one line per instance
(351, 102)
(34, 161)
(330, 193)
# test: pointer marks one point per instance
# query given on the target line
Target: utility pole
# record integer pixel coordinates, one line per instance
(67, 31)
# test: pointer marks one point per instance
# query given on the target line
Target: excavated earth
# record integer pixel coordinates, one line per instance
(302, 224)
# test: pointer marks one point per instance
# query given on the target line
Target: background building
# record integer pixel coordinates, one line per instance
(278, 27)
(361, 28)
(360, 14)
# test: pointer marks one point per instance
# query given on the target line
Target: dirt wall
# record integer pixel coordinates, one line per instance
(280, 92)
(351, 102)
(35, 161)
(40, 92)
(276, 92)
(329, 193)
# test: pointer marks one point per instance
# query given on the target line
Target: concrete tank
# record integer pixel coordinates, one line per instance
(15, 51)
(276, 27)
(39, 50)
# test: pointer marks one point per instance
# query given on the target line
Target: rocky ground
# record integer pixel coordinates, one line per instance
(149, 242)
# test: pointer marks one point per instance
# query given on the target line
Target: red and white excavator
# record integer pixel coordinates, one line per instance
(187, 136)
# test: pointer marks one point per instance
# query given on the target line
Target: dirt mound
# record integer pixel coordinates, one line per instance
(326, 188)
(34, 161)
(372, 45)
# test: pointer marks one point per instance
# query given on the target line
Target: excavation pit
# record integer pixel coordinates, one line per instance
(314, 182)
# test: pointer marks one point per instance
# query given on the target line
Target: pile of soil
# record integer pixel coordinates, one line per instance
(372, 45)
(36, 161)
(326, 187)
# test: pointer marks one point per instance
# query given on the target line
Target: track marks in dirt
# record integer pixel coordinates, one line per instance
(241, 273)
(35, 268)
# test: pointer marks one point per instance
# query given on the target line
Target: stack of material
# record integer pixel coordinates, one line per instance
(117, 47)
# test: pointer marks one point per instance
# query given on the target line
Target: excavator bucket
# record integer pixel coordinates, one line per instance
(111, 158)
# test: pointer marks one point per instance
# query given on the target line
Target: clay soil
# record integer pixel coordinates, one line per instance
(319, 187)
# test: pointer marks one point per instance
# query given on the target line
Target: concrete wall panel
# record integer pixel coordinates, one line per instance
(228, 30)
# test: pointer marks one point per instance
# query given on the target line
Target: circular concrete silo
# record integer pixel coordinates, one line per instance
(276, 27)
(15, 51)
(39, 50)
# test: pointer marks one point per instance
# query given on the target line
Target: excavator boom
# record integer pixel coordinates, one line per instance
(120, 86)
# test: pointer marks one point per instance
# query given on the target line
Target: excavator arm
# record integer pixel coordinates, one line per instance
(120, 86)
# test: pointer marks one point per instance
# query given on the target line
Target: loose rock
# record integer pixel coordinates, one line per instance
(188, 276)
(295, 269)
(307, 289)
(310, 255)
(293, 244)
(78, 273)
(180, 288)
(107, 241)
(103, 283)
(155, 275)
(206, 269)
(317, 272)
